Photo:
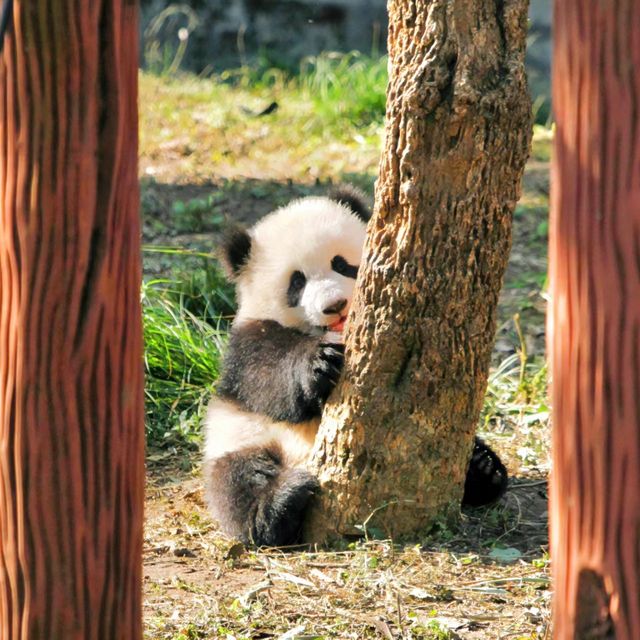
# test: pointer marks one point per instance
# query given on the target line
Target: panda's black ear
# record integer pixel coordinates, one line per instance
(354, 198)
(235, 250)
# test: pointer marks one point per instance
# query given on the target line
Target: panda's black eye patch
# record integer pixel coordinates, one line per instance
(341, 266)
(296, 286)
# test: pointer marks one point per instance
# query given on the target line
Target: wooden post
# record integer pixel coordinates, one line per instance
(71, 404)
(594, 324)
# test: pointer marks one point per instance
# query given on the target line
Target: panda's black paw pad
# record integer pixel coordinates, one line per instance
(326, 367)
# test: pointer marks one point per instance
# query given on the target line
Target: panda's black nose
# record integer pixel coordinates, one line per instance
(336, 307)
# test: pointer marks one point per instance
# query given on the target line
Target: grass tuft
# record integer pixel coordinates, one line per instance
(323, 121)
(185, 326)
(348, 86)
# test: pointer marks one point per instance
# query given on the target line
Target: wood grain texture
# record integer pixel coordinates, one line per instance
(396, 437)
(594, 324)
(71, 404)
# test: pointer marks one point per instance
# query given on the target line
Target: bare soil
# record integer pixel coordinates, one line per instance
(450, 581)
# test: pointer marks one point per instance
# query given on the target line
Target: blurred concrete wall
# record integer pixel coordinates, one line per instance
(232, 32)
(539, 48)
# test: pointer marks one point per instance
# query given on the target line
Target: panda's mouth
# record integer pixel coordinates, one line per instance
(338, 325)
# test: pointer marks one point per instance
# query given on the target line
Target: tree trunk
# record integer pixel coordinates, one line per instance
(594, 325)
(71, 412)
(396, 438)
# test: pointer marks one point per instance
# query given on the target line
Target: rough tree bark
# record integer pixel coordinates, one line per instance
(71, 403)
(396, 438)
(594, 324)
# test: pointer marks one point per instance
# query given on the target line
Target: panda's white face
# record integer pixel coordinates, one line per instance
(302, 266)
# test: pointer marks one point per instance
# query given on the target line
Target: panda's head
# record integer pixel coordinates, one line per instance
(298, 265)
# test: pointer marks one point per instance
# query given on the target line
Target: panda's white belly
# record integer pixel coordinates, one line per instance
(229, 428)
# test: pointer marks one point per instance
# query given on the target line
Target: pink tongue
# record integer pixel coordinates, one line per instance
(337, 326)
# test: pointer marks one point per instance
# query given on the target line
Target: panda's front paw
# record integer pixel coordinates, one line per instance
(325, 369)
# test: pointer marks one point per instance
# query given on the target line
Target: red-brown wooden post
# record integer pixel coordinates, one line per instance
(595, 320)
(71, 418)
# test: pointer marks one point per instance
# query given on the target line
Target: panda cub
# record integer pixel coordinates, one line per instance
(295, 272)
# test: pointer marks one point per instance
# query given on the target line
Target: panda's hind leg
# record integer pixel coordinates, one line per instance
(258, 499)
(487, 477)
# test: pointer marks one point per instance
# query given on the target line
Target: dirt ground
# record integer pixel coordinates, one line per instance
(451, 582)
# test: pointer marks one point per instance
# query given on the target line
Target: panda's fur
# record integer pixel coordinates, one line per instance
(295, 274)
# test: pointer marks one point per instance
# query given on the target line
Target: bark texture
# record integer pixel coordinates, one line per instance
(71, 404)
(396, 438)
(594, 324)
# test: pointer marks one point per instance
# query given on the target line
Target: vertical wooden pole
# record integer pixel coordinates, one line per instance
(595, 320)
(71, 413)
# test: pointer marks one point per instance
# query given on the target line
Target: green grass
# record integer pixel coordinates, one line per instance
(346, 86)
(516, 408)
(346, 90)
(328, 120)
(185, 326)
(542, 142)
(517, 387)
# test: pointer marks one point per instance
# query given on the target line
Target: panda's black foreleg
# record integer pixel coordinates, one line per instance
(279, 372)
(486, 477)
(256, 498)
